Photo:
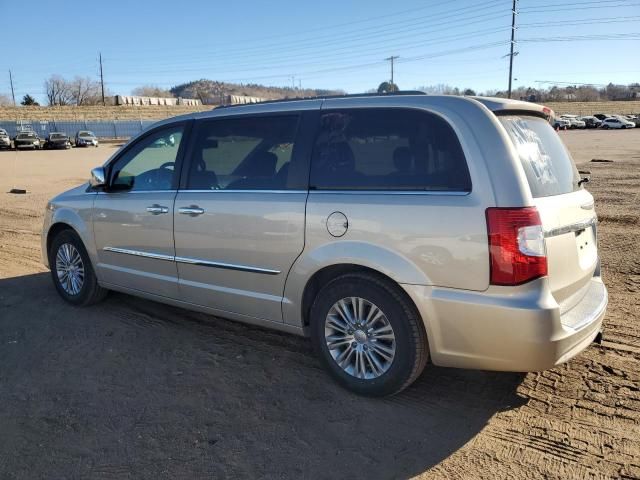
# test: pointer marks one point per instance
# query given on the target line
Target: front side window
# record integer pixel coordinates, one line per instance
(150, 163)
(388, 149)
(250, 153)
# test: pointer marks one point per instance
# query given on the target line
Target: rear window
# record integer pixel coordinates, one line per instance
(387, 149)
(545, 160)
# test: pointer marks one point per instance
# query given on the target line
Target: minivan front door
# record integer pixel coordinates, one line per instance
(239, 220)
(133, 218)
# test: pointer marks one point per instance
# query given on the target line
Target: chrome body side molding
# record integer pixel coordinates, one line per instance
(193, 261)
(227, 266)
(137, 253)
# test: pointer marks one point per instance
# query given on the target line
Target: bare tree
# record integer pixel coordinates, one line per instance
(58, 91)
(84, 91)
(587, 93)
(151, 91)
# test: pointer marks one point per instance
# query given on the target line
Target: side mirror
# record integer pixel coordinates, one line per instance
(98, 177)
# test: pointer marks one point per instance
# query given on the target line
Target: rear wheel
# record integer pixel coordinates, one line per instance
(368, 335)
(72, 272)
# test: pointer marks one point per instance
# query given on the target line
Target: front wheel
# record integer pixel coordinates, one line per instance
(72, 272)
(368, 334)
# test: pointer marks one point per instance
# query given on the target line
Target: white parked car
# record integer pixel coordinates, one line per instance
(626, 118)
(574, 121)
(616, 122)
(5, 140)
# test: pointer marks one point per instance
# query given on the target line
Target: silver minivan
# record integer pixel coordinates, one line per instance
(392, 230)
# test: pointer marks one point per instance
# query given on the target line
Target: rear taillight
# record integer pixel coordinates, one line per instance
(516, 245)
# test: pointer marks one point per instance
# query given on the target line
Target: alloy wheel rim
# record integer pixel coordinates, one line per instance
(70, 269)
(360, 338)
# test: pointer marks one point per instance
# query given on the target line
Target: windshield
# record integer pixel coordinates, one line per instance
(58, 135)
(26, 135)
(86, 134)
(546, 162)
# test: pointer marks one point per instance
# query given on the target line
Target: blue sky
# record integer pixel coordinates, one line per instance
(328, 44)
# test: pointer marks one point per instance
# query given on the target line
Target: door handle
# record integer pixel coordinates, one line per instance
(156, 209)
(192, 210)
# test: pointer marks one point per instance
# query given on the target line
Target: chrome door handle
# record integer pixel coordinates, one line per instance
(192, 210)
(156, 209)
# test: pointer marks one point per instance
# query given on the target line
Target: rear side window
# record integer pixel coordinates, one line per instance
(250, 153)
(545, 160)
(387, 149)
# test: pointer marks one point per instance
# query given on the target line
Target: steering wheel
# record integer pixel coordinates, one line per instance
(157, 179)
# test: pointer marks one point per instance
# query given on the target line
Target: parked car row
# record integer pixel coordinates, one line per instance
(55, 140)
(599, 120)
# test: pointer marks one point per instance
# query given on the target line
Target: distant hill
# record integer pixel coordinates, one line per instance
(211, 92)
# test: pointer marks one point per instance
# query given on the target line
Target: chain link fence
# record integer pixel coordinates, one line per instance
(120, 129)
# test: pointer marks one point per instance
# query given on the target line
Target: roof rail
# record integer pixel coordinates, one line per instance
(325, 97)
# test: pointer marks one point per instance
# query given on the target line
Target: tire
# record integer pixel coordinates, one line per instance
(409, 337)
(89, 292)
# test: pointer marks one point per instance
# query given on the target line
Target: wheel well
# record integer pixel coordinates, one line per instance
(326, 274)
(55, 229)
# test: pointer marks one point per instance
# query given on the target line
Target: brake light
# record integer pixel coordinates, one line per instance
(517, 251)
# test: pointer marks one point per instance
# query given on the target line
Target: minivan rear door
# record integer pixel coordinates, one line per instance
(566, 209)
(240, 212)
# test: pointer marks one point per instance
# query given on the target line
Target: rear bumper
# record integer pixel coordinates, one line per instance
(505, 328)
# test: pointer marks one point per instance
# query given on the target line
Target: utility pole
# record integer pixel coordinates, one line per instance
(102, 79)
(391, 59)
(513, 34)
(13, 95)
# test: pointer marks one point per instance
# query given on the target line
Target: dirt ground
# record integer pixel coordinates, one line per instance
(135, 389)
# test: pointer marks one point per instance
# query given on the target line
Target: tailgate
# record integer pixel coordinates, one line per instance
(566, 209)
(569, 223)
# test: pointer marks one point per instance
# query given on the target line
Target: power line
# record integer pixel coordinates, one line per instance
(571, 83)
(604, 3)
(253, 66)
(331, 36)
(303, 52)
(587, 7)
(586, 21)
(578, 38)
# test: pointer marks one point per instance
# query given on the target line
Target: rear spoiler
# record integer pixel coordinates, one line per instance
(504, 106)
